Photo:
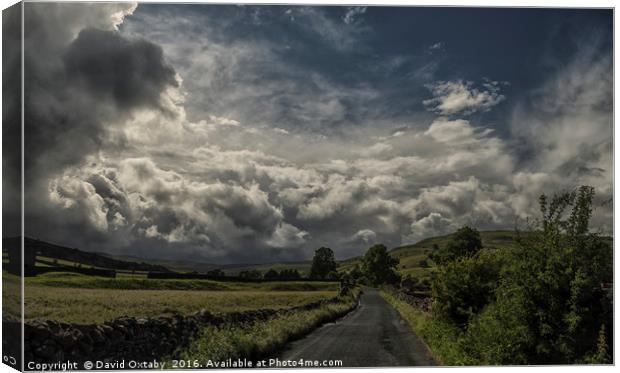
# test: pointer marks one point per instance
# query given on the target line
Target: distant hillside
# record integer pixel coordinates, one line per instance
(46, 252)
(411, 256)
(302, 267)
(230, 269)
(173, 265)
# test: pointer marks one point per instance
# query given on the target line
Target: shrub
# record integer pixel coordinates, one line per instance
(463, 287)
(550, 307)
(465, 242)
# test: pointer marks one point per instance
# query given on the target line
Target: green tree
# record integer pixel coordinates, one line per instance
(216, 273)
(323, 263)
(465, 242)
(379, 266)
(271, 274)
(289, 274)
(252, 274)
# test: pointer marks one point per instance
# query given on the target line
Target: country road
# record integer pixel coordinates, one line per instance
(372, 335)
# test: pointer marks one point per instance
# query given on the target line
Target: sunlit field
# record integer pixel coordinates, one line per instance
(76, 298)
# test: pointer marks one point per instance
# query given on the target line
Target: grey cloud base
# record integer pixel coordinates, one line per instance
(208, 146)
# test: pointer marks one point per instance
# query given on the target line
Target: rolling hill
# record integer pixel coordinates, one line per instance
(48, 254)
(411, 256)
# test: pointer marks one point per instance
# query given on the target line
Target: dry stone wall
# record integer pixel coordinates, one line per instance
(128, 338)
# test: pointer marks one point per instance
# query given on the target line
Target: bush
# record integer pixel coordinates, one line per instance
(463, 287)
(549, 306)
(408, 283)
(464, 243)
(544, 301)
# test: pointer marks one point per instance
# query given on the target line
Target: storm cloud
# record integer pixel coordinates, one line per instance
(256, 133)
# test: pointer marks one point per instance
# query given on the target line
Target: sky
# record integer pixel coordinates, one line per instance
(246, 134)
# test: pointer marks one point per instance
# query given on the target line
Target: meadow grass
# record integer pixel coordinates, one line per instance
(129, 282)
(11, 295)
(443, 340)
(77, 298)
(98, 305)
(258, 340)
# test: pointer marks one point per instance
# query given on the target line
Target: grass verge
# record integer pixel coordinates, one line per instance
(258, 340)
(443, 340)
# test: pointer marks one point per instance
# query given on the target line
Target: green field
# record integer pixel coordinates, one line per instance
(11, 295)
(98, 305)
(78, 298)
(128, 282)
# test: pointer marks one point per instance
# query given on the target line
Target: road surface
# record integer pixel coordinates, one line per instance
(372, 335)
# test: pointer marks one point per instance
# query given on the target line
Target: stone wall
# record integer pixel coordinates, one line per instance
(129, 338)
(422, 302)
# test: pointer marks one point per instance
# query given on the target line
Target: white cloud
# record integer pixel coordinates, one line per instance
(367, 236)
(436, 46)
(451, 131)
(353, 13)
(431, 225)
(80, 200)
(378, 148)
(460, 96)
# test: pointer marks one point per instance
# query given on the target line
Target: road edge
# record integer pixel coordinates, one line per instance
(401, 306)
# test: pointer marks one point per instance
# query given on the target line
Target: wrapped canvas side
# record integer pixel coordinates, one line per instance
(12, 199)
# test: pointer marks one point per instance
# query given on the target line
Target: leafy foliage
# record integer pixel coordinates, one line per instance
(252, 274)
(465, 242)
(545, 302)
(379, 266)
(465, 286)
(323, 263)
(289, 274)
(271, 274)
(215, 273)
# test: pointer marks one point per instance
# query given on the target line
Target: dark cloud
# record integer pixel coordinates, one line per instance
(81, 84)
(11, 120)
(107, 66)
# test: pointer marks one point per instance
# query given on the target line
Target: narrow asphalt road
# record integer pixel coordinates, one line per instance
(373, 335)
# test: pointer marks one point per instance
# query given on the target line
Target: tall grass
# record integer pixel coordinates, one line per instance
(446, 343)
(258, 340)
